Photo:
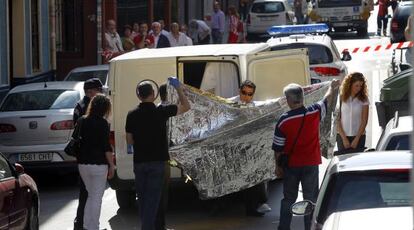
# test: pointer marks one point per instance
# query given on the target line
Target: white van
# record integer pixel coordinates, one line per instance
(222, 67)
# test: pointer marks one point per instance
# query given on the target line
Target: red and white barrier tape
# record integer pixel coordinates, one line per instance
(390, 46)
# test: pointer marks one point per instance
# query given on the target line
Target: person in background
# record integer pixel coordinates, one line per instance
(160, 40)
(163, 31)
(353, 117)
(217, 24)
(382, 17)
(233, 25)
(297, 137)
(199, 32)
(146, 136)
(135, 30)
(184, 30)
(91, 87)
(127, 42)
(298, 8)
(95, 158)
(177, 38)
(112, 41)
(243, 9)
(255, 205)
(143, 39)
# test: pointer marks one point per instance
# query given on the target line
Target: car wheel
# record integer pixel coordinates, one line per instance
(33, 218)
(362, 32)
(125, 198)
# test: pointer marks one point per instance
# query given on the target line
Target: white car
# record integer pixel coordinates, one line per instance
(36, 123)
(396, 135)
(266, 13)
(325, 61)
(87, 72)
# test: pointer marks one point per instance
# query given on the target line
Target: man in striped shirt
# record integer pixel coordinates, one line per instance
(297, 135)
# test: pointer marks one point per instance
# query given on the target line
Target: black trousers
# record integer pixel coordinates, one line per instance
(162, 209)
(360, 147)
(254, 197)
(83, 196)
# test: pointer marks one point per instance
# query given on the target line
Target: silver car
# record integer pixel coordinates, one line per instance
(87, 72)
(36, 123)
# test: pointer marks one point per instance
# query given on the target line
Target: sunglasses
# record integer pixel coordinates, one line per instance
(246, 94)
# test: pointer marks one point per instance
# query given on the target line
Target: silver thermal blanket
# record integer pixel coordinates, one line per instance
(225, 148)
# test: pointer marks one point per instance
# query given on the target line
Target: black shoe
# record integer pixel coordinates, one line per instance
(254, 213)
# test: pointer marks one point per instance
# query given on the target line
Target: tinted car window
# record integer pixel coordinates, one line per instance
(337, 3)
(83, 76)
(5, 170)
(400, 142)
(41, 100)
(318, 54)
(369, 189)
(268, 7)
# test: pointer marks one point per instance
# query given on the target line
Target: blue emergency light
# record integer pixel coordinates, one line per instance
(298, 29)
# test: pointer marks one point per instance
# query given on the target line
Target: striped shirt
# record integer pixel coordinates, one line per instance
(307, 151)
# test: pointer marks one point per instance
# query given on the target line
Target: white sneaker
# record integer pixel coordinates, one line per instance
(264, 208)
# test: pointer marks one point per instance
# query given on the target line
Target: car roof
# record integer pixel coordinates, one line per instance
(372, 218)
(90, 68)
(404, 125)
(301, 38)
(188, 51)
(372, 161)
(75, 85)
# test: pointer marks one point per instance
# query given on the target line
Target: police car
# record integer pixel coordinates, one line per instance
(325, 61)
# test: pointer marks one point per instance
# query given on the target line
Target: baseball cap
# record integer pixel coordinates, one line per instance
(93, 83)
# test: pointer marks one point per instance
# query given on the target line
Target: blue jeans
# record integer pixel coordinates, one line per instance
(217, 36)
(308, 176)
(149, 182)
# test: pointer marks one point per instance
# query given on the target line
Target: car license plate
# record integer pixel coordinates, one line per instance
(340, 24)
(25, 157)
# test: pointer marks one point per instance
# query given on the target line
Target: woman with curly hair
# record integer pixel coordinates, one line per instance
(353, 116)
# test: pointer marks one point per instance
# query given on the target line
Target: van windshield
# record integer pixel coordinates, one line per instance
(338, 3)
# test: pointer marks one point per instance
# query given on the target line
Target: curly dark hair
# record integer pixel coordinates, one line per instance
(347, 83)
(100, 106)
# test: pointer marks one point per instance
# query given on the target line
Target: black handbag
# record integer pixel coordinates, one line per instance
(73, 147)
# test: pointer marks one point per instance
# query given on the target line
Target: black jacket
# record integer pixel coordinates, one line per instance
(163, 42)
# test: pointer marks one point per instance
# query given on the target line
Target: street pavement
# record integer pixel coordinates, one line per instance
(186, 211)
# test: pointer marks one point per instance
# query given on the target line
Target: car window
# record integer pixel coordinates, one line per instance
(318, 54)
(400, 142)
(5, 171)
(338, 3)
(367, 189)
(268, 7)
(83, 76)
(41, 100)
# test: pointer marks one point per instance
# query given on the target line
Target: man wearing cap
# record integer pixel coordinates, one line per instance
(147, 139)
(91, 87)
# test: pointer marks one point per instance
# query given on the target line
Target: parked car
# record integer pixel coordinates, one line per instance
(87, 72)
(396, 135)
(400, 218)
(36, 124)
(325, 61)
(266, 13)
(19, 198)
(394, 96)
(361, 181)
(399, 21)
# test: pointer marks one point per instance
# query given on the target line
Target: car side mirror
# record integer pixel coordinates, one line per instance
(346, 56)
(19, 168)
(370, 150)
(302, 208)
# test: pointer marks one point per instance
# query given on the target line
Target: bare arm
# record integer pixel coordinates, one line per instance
(278, 170)
(362, 126)
(407, 30)
(129, 139)
(184, 105)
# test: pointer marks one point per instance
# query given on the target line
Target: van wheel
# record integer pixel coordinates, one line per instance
(362, 32)
(125, 198)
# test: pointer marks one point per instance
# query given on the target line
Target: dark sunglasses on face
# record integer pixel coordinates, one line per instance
(246, 94)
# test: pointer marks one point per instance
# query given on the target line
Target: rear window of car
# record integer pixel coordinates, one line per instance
(400, 142)
(267, 7)
(40, 100)
(367, 189)
(318, 54)
(83, 76)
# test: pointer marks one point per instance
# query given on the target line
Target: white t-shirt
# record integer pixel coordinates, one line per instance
(182, 40)
(114, 43)
(351, 111)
